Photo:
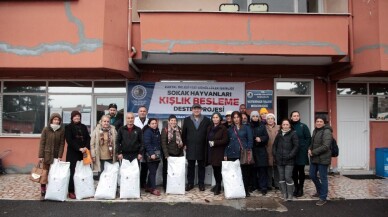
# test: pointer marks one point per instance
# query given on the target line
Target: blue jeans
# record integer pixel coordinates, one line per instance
(321, 183)
(152, 167)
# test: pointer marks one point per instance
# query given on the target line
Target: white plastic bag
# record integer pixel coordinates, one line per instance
(176, 175)
(129, 179)
(58, 181)
(107, 186)
(83, 181)
(232, 179)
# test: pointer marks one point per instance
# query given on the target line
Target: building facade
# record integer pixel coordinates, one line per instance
(325, 57)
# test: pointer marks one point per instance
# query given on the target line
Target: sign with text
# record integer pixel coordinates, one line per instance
(165, 98)
(257, 99)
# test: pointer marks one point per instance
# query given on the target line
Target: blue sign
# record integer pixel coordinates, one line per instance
(257, 99)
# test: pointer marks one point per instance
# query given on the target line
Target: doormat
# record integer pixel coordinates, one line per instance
(363, 177)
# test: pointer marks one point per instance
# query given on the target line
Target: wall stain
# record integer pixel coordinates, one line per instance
(84, 44)
(172, 43)
(371, 47)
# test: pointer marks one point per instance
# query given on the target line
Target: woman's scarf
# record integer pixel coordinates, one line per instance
(109, 139)
(284, 131)
(170, 133)
(55, 127)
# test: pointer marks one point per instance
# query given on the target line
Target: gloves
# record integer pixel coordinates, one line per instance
(211, 143)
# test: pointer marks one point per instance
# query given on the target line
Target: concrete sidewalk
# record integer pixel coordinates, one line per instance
(19, 187)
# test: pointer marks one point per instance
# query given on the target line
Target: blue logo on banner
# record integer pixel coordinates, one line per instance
(140, 94)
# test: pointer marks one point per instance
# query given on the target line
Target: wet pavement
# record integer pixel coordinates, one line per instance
(19, 187)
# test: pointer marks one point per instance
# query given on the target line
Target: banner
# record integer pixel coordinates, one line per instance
(165, 98)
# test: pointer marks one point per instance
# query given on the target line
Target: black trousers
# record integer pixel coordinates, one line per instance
(191, 172)
(143, 174)
(217, 174)
(298, 175)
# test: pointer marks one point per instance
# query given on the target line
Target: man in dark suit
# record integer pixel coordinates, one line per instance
(194, 138)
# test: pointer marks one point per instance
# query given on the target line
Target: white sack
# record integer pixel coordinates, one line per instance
(83, 181)
(58, 181)
(130, 179)
(232, 179)
(176, 177)
(107, 186)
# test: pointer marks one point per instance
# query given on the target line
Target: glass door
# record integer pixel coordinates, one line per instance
(101, 104)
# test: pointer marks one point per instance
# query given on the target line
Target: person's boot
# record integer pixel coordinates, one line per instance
(213, 188)
(217, 189)
(300, 190)
(283, 189)
(296, 189)
(290, 190)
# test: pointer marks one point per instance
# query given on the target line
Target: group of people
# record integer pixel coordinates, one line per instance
(279, 153)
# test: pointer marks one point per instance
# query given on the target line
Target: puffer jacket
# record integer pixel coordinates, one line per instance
(52, 142)
(320, 145)
(152, 141)
(285, 148)
(245, 135)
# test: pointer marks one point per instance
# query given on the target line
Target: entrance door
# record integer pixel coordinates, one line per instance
(285, 105)
(101, 104)
(353, 133)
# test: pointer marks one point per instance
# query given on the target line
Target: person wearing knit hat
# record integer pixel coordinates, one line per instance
(271, 115)
(51, 146)
(217, 140)
(263, 114)
(78, 141)
(273, 173)
(254, 113)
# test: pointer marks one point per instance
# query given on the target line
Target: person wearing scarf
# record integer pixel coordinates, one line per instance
(172, 144)
(102, 144)
(51, 145)
(284, 150)
(217, 138)
(78, 141)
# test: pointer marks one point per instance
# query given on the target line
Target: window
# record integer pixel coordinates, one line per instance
(286, 88)
(351, 89)
(26, 106)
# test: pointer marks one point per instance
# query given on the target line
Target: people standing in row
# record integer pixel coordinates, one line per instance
(217, 137)
(129, 143)
(273, 173)
(115, 118)
(141, 121)
(152, 146)
(103, 144)
(260, 140)
(320, 158)
(78, 141)
(285, 148)
(304, 138)
(52, 143)
(194, 138)
(172, 144)
(240, 137)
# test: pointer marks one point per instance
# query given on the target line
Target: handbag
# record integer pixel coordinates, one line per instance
(39, 174)
(157, 156)
(246, 156)
(87, 158)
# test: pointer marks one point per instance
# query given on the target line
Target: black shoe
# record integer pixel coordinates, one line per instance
(247, 194)
(264, 192)
(189, 187)
(217, 190)
(201, 187)
(251, 189)
(300, 192)
(295, 191)
(213, 189)
(269, 188)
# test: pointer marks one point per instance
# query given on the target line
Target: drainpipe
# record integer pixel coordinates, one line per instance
(133, 50)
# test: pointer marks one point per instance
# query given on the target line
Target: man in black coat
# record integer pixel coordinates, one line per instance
(194, 132)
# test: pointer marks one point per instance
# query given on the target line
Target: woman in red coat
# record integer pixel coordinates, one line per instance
(217, 137)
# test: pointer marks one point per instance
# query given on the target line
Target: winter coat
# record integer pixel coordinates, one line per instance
(152, 141)
(195, 139)
(171, 148)
(245, 135)
(285, 148)
(260, 148)
(77, 136)
(304, 138)
(129, 143)
(321, 145)
(95, 145)
(117, 121)
(52, 143)
(215, 154)
(272, 132)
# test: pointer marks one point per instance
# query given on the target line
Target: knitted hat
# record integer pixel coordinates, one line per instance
(74, 113)
(271, 115)
(254, 113)
(55, 115)
(263, 111)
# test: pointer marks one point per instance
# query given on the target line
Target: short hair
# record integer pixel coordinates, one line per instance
(322, 117)
(142, 106)
(112, 105)
(104, 116)
(171, 117)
